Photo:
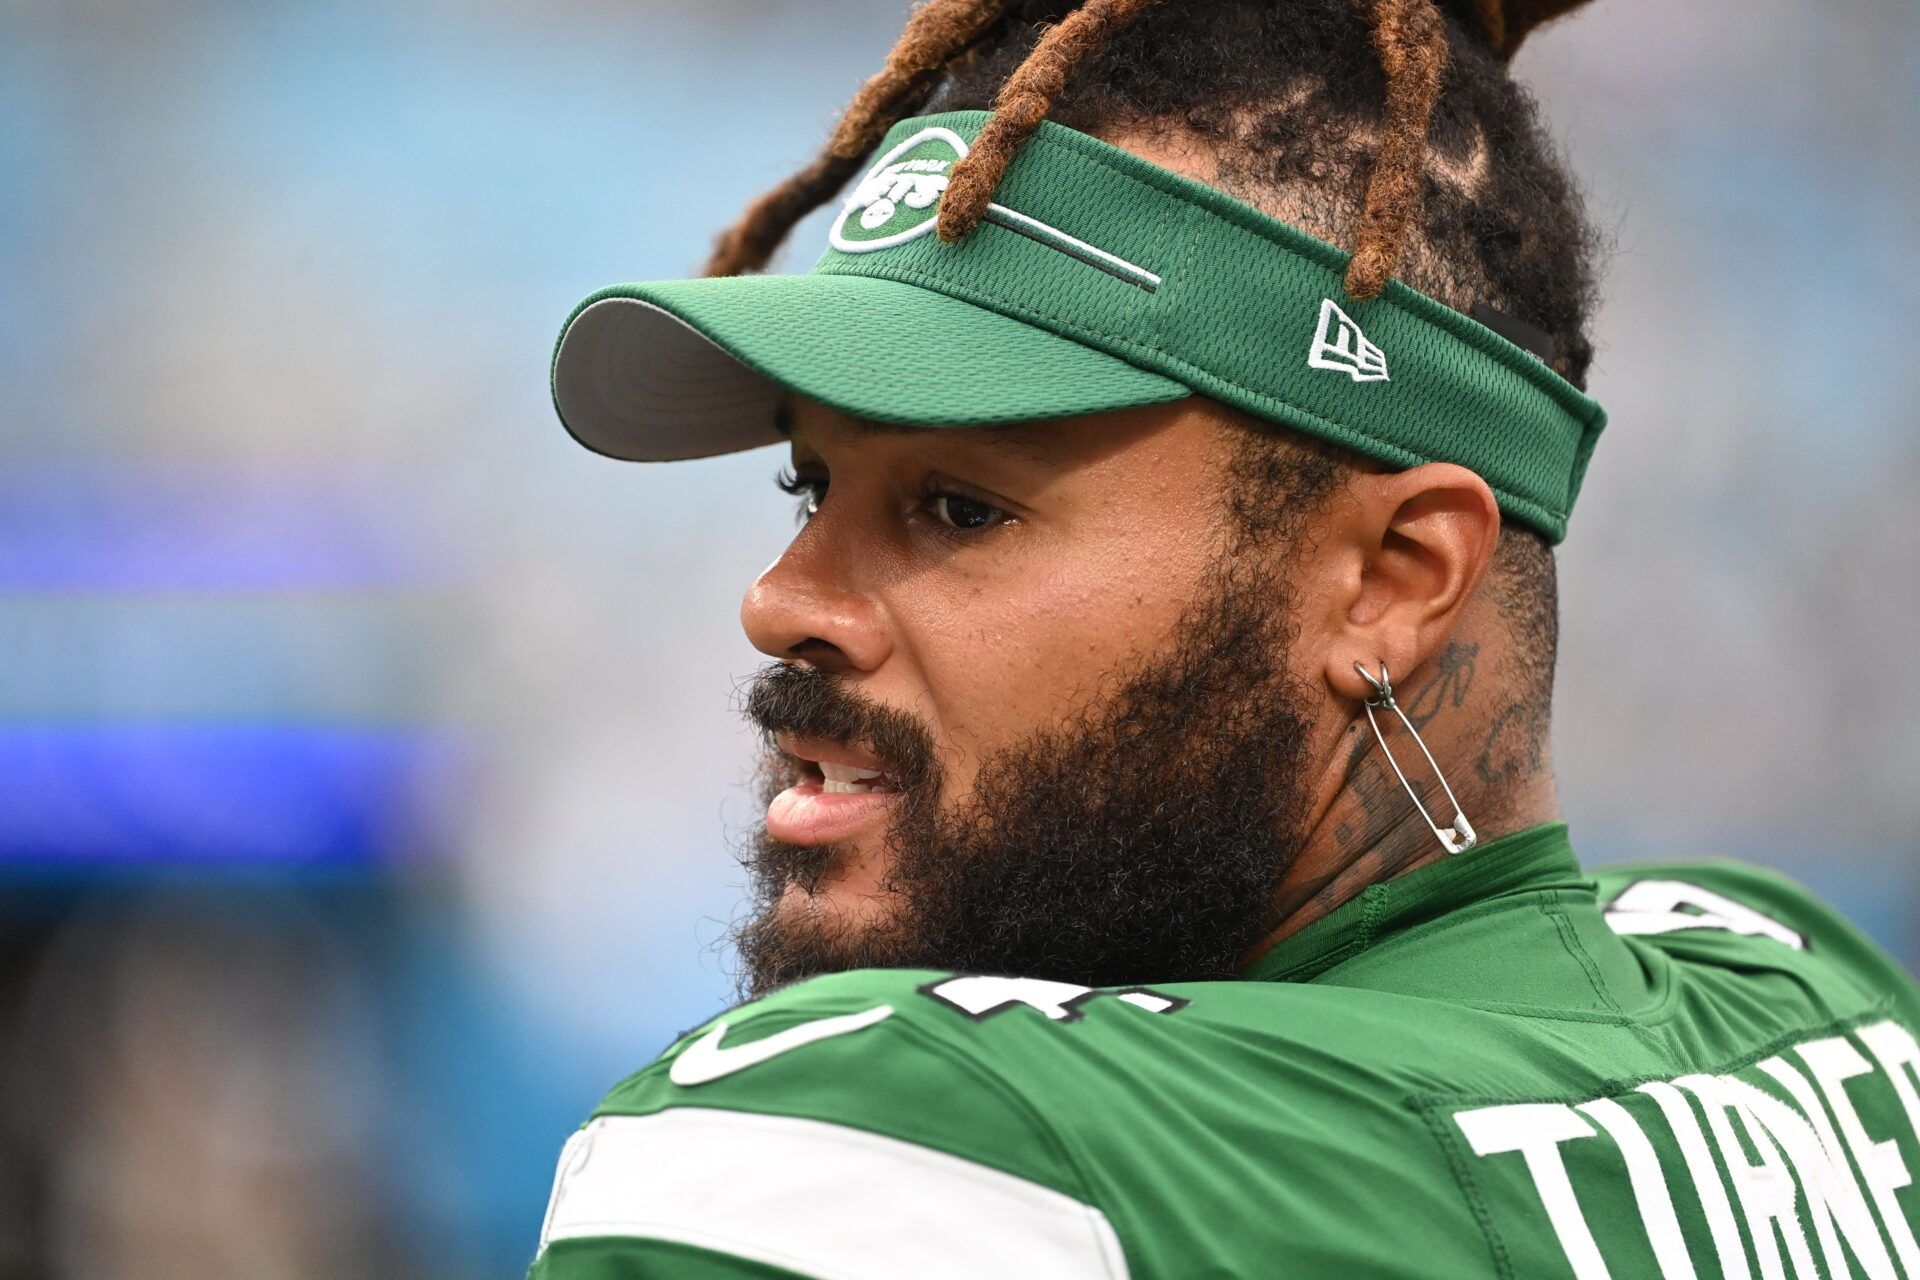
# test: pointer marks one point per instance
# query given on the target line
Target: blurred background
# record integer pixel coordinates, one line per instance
(367, 755)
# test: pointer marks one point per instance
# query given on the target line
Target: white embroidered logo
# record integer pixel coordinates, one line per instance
(705, 1060)
(899, 198)
(1339, 345)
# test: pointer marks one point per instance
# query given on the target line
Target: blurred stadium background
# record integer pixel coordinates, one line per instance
(366, 756)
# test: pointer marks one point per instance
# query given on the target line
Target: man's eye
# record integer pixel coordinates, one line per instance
(956, 511)
(810, 490)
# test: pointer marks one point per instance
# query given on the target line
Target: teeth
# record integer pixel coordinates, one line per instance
(846, 779)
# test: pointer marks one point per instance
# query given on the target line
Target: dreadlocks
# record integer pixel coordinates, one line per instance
(1409, 38)
(937, 33)
(1022, 104)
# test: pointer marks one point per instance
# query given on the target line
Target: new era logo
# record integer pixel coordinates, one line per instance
(1339, 345)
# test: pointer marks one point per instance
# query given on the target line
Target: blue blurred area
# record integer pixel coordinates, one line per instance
(104, 528)
(304, 599)
(367, 757)
(144, 793)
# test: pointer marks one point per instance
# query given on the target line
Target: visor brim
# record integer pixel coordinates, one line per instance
(694, 368)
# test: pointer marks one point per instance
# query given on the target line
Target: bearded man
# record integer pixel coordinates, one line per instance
(1162, 874)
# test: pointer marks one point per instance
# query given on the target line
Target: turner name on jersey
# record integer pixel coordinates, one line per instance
(1494, 1066)
(1786, 1135)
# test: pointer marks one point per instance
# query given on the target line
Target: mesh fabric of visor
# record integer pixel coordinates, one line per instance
(1090, 244)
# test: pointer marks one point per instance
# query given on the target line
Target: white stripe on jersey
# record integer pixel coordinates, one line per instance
(820, 1199)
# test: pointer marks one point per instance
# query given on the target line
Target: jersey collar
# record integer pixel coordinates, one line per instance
(1524, 862)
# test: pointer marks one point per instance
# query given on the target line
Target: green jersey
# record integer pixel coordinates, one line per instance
(1492, 1066)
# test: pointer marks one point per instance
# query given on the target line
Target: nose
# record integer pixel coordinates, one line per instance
(803, 609)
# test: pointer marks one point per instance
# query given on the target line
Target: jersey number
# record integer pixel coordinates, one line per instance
(1664, 906)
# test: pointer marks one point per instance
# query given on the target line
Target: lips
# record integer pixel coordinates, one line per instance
(841, 792)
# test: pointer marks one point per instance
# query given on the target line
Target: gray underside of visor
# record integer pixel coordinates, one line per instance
(635, 382)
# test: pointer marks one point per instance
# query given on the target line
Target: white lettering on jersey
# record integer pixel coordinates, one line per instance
(1731, 1254)
(980, 995)
(1893, 1045)
(1664, 906)
(1650, 1192)
(705, 1060)
(1767, 1193)
(1536, 1130)
(1828, 1184)
(1833, 1062)
(1787, 1160)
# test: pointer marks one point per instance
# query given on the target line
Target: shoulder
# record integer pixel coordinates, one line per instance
(951, 1059)
(1723, 894)
(730, 1140)
(1061, 1084)
(1005, 1063)
(1082, 1122)
(863, 1049)
(1710, 908)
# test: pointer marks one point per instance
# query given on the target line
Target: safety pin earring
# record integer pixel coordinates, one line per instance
(1459, 837)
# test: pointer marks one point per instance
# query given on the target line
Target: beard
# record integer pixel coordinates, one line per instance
(1142, 839)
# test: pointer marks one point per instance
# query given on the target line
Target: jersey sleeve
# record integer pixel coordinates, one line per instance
(824, 1131)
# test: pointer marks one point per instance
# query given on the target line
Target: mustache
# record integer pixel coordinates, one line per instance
(811, 703)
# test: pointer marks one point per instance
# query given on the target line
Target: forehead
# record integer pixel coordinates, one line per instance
(809, 424)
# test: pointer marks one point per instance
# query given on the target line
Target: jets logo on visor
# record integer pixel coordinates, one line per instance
(899, 199)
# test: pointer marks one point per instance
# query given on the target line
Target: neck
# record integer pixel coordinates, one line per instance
(1493, 750)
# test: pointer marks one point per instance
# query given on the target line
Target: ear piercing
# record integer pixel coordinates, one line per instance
(1458, 837)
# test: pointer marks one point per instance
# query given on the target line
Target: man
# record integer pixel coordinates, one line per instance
(1161, 873)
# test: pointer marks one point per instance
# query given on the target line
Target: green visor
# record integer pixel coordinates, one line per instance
(1097, 282)
(690, 368)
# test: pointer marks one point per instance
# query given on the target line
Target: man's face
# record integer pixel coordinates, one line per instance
(1036, 711)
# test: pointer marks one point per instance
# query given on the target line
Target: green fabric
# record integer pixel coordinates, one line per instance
(597, 1259)
(1100, 281)
(893, 352)
(1315, 1117)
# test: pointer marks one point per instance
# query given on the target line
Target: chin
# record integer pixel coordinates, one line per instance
(840, 904)
(830, 930)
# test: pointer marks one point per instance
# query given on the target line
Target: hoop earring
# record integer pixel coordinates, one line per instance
(1460, 836)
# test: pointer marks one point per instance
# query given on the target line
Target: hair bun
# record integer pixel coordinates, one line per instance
(1505, 23)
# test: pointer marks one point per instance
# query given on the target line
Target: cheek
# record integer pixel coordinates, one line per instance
(1009, 651)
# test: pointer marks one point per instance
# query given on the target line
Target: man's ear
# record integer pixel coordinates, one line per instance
(1407, 551)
